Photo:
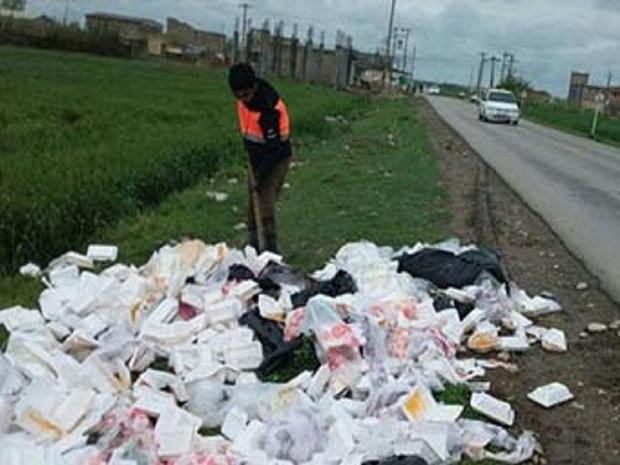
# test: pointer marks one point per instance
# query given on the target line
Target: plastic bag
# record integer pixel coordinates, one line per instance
(208, 400)
(375, 351)
(295, 435)
(127, 434)
(523, 450)
(386, 396)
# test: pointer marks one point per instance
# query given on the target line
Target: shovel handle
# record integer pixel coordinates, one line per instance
(258, 216)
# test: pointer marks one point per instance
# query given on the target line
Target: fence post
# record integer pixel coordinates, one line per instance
(293, 56)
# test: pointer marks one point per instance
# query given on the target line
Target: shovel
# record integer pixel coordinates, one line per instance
(258, 217)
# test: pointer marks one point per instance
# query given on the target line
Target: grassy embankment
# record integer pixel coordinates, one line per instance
(86, 141)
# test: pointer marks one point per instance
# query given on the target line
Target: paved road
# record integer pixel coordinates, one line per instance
(572, 182)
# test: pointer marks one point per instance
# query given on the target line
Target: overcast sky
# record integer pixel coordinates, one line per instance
(548, 38)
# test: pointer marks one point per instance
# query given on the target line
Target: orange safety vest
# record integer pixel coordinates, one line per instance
(250, 127)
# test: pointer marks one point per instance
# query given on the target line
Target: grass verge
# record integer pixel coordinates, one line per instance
(575, 120)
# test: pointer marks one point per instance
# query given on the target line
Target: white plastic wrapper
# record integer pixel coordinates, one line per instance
(295, 435)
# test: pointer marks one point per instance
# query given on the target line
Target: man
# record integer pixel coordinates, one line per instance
(265, 128)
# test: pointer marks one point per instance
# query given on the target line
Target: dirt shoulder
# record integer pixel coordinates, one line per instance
(488, 213)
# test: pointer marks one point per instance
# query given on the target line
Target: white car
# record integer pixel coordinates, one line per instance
(499, 105)
(433, 90)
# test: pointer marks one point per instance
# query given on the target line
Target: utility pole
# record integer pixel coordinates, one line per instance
(493, 61)
(388, 63)
(244, 7)
(407, 31)
(235, 49)
(480, 71)
(511, 64)
(66, 14)
(504, 66)
(413, 65)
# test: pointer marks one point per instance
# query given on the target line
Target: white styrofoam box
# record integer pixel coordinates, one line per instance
(319, 381)
(64, 276)
(152, 401)
(175, 431)
(492, 407)
(161, 379)
(163, 313)
(517, 343)
(59, 330)
(224, 311)
(269, 308)
(245, 290)
(6, 415)
(48, 413)
(554, 340)
(235, 422)
(102, 253)
(30, 269)
(244, 357)
(550, 394)
(106, 377)
(20, 318)
(193, 295)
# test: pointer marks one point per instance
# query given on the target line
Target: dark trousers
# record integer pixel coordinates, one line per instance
(268, 195)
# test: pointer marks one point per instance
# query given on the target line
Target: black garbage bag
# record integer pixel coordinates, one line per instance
(400, 460)
(271, 277)
(442, 302)
(446, 269)
(277, 352)
(341, 283)
(238, 272)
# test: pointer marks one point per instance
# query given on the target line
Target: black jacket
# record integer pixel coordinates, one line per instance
(265, 156)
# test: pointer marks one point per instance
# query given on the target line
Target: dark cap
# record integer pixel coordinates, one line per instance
(241, 77)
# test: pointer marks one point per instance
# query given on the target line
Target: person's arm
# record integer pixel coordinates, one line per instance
(270, 124)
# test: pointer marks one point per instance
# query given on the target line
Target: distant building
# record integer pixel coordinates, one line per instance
(578, 82)
(584, 94)
(536, 96)
(142, 34)
(184, 39)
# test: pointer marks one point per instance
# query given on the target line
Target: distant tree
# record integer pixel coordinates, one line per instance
(515, 84)
(13, 5)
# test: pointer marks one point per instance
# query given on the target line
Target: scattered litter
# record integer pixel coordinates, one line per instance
(492, 407)
(240, 226)
(217, 196)
(550, 395)
(614, 325)
(554, 340)
(71, 258)
(597, 328)
(31, 270)
(581, 286)
(102, 253)
(128, 365)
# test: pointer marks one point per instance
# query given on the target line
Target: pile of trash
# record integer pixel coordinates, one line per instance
(163, 364)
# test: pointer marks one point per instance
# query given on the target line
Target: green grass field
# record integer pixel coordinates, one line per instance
(86, 140)
(372, 177)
